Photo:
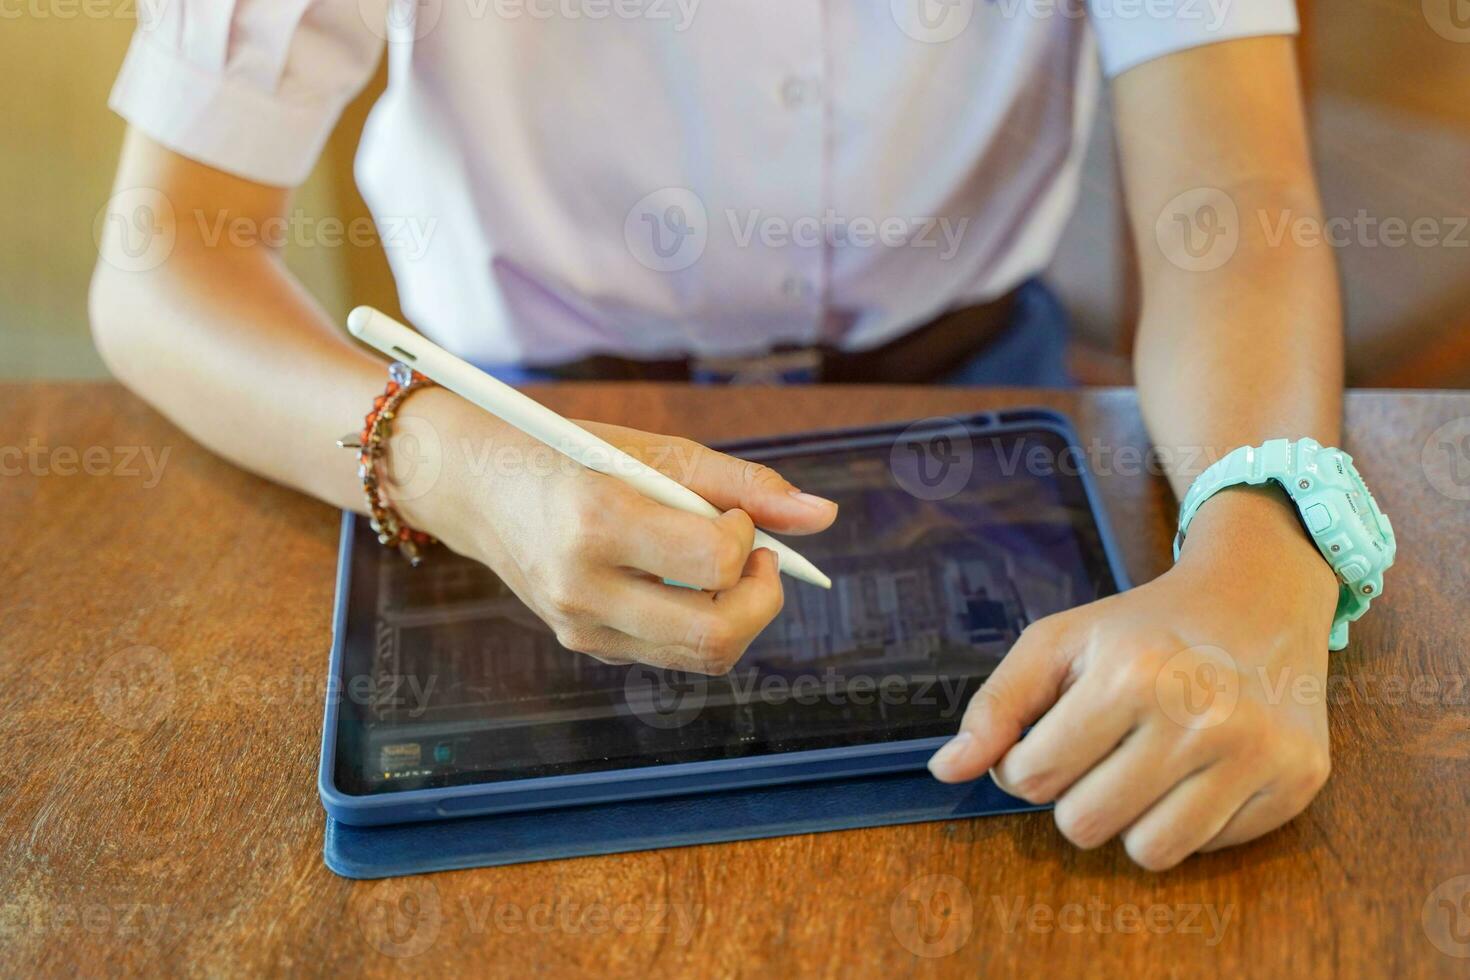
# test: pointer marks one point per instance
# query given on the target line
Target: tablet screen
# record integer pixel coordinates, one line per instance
(949, 541)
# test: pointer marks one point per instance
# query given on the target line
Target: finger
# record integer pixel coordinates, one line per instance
(1113, 794)
(1190, 815)
(579, 621)
(616, 648)
(1259, 815)
(712, 629)
(606, 645)
(729, 482)
(700, 551)
(1023, 686)
(1275, 805)
(1085, 725)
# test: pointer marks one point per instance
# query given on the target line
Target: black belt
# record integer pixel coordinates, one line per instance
(921, 355)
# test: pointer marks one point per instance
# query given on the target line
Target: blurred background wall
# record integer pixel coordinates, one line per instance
(1388, 85)
(59, 145)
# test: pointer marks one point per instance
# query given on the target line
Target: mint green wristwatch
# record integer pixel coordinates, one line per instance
(1335, 506)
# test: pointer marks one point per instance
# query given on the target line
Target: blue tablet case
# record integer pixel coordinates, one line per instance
(641, 825)
(708, 818)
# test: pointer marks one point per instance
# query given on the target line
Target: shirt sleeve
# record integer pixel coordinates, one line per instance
(252, 87)
(1130, 32)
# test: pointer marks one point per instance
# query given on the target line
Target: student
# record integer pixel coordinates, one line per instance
(659, 190)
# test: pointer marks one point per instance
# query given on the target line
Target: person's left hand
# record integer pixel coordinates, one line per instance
(1174, 714)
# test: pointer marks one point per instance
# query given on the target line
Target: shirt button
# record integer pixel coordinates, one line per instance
(797, 92)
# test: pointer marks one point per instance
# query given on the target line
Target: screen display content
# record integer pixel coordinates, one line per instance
(950, 540)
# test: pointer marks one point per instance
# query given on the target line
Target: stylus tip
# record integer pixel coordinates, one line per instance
(799, 567)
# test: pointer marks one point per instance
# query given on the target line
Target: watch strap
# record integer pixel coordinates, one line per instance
(1252, 465)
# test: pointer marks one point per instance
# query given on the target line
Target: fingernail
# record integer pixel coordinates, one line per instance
(812, 500)
(949, 753)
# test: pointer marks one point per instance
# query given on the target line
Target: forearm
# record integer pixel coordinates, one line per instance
(1248, 352)
(1240, 337)
(228, 346)
(1238, 355)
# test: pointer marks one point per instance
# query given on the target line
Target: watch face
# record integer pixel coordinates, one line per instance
(1353, 535)
(1363, 507)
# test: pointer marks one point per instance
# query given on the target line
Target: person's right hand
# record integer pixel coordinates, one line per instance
(588, 553)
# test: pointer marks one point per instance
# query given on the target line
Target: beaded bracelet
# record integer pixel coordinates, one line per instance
(371, 445)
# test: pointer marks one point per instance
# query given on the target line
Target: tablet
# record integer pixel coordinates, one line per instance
(448, 697)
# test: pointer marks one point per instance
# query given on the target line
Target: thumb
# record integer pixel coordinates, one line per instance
(770, 500)
(1025, 684)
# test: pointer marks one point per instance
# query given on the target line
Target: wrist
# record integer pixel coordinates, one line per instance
(426, 475)
(1255, 532)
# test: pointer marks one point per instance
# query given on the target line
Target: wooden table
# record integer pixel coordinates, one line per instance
(164, 630)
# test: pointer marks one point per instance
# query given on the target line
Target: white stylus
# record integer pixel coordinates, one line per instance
(381, 331)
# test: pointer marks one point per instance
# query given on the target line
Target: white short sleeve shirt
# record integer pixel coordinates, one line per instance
(555, 178)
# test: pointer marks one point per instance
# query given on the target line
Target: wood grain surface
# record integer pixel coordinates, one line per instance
(164, 630)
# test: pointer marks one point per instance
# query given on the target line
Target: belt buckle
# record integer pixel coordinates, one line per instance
(774, 368)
